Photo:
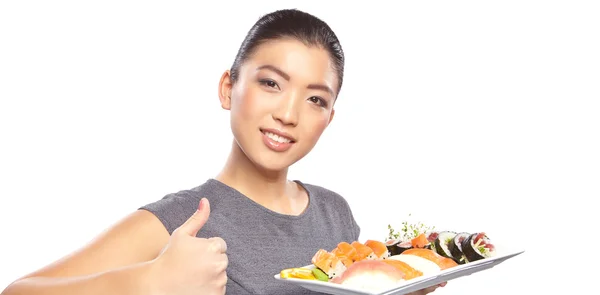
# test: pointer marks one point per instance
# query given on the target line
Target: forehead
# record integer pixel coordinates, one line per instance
(303, 63)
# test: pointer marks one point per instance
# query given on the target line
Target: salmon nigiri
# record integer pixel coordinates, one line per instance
(363, 252)
(409, 271)
(373, 275)
(379, 249)
(345, 260)
(441, 261)
(320, 255)
(420, 241)
(345, 249)
(328, 263)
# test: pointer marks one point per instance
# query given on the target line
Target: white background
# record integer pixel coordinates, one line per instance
(493, 108)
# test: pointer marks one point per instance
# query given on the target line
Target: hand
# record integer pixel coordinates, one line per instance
(190, 265)
(427, 290)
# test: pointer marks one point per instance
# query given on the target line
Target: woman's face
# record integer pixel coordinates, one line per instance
(281, 103)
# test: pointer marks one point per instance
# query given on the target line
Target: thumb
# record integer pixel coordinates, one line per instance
(197, 220)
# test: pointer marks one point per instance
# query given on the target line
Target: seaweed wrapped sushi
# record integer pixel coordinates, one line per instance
(477, 246)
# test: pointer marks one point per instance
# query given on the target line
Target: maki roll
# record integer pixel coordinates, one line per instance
(477, 246)
(441, 243)
(455, 247)
(403, 246)
(392, 246)
(432, 236)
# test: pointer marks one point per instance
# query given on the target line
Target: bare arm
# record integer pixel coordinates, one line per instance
(117, 262)
(128, 280)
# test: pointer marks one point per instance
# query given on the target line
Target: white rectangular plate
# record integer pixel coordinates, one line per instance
(410, 285)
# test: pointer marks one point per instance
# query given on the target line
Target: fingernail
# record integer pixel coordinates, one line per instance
(201, 205)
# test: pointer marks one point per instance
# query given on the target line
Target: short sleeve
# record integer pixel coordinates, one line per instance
(172, 210)
(356, 229)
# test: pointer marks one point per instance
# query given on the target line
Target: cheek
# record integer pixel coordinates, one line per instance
(316, 128)
(244, 105)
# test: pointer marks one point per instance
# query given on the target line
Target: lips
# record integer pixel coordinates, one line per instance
(276, 140)
(278, 136)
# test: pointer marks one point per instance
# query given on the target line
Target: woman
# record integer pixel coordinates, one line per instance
(235, 231)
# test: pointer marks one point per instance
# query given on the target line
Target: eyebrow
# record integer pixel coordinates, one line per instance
(276, 70)
(287, 78)
(321, 87)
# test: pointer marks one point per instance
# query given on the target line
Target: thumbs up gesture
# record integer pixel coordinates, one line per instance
(190, 265)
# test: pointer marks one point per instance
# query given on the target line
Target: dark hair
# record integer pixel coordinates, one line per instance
(296, 24)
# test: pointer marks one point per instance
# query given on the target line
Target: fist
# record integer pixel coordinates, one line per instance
(189, 265)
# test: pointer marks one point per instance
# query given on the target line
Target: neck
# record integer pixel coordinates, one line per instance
(258, 184)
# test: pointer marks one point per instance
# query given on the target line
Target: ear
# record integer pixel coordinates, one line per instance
(225, 86)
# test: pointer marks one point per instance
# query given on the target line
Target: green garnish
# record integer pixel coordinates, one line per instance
(320, 275)
(408, 231)
(392, 234)
(482, 249)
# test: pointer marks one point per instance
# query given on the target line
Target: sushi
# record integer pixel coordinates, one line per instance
(379, 249)
(329, 263)
(455, 247)
(441, 261)
(345, 255)
(375, 263)
(371, 275)
(345, 249)
(420, 241)
(363, 252)
(424, 266)
(477, 246)
(403, 246)
(441, 243)
(432, 235)
(409, 271)
(397, 246)
(392, 246)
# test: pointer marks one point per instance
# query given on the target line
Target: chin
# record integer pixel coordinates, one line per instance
(270, 162)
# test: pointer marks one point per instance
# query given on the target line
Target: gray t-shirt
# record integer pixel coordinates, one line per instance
(261, 242)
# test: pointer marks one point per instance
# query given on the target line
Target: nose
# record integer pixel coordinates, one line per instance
(286, 111)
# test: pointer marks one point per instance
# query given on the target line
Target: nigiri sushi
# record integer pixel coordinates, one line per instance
(363, 252)
(328, 263)
(370, 276)
(419, 263)
(409, 271)
(420, 241)
(345, 249)
(379, 249)
(441, 261)
(345, 260)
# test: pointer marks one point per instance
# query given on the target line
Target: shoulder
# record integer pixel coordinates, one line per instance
(175, 208)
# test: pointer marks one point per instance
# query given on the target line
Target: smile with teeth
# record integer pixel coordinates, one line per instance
(277, 138)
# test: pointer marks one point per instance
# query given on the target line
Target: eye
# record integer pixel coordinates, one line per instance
(317, 100)
(269, 83)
